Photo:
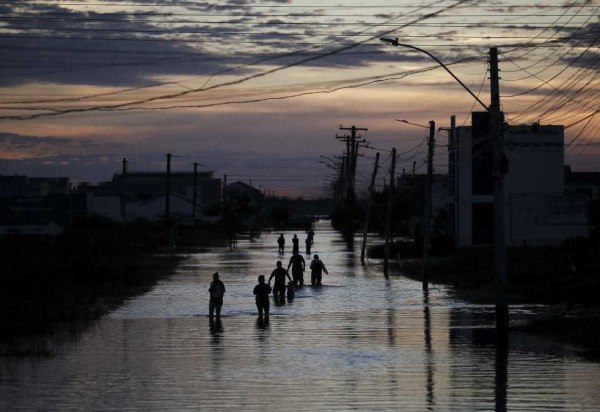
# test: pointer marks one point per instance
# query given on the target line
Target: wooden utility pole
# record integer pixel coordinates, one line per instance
(388, 218)
(168, 189)
(500, 259)
(428, 205)
(369, 205)
(351, 154)
(195, 195)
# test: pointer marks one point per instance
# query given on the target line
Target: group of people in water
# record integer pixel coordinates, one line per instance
(296, 242)
(262, 290)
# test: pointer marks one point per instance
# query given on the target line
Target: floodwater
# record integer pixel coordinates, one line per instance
(360, 342)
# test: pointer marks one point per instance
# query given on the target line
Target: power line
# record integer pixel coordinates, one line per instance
(238, 81)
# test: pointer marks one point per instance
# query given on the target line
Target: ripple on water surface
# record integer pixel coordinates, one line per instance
(360, 342)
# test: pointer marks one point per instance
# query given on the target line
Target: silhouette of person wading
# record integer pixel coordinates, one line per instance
(262, 291)
(216, 290)
(279, 274)
(308, 243)
(317, 267)
(295, 244)
(298, 266)
(281, 243)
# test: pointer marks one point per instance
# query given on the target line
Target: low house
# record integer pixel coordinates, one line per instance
(243, 190)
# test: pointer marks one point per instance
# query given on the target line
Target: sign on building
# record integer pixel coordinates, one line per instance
(547, 218)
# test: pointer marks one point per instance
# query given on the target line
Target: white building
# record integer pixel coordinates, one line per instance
(537, 209)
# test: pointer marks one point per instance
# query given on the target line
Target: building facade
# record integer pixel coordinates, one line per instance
(142, 196)
(537, 210)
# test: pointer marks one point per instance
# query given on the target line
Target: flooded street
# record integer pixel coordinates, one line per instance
(360, 342)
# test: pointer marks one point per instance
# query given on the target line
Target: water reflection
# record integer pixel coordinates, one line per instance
(501, 366)
(360, 342)
(428, 350)
(216, 328)
(262, 323)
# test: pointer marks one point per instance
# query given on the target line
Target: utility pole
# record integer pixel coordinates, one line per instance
(168, 189)
(195, 195)
(499, 166)
(351, 153)
(388, 218)
(428, 205)
(369, 205)
(414, 167)
(124, 191)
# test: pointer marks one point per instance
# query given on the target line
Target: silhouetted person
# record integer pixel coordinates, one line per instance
(308, 245)
(262, 291)
(311, 235)
(279, 274)
(317, 267)
(295, 244)
(281, 243)
(298, 266)
(216, 290)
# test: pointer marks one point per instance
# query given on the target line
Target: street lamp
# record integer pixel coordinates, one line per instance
(394, 42)
(499, 169)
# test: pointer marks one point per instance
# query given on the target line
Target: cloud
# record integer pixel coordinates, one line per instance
(100, 49)
(139, 47)
(16, 146)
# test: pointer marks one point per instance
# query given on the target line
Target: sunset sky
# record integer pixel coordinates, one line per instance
(259, 89)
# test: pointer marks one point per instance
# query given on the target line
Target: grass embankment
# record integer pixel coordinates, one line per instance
(566, 277)
(49, 284)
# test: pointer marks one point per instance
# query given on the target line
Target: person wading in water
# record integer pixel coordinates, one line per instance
(298, 266)
(216, 290)
(279, 274)
(317, 267)
(262, 291)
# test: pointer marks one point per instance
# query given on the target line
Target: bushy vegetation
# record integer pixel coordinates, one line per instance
(81, 274)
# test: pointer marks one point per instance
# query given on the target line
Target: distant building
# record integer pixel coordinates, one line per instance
(142, 195)
(19, 185)
(254, 196)
(536, 206)
(583, 182)
(34, 205)
(413, 188)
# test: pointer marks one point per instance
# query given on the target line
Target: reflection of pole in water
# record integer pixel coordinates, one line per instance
(501, 364)
(428, 351)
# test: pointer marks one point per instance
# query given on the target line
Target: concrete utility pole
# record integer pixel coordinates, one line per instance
(369, 205)
(195, 195)
(428, 205)
(388, 217)
(124, 191)
(455, 161)
(499, 166)
(499, 169)
(168, 189)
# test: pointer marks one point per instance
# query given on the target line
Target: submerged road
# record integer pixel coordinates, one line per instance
(360, 342)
